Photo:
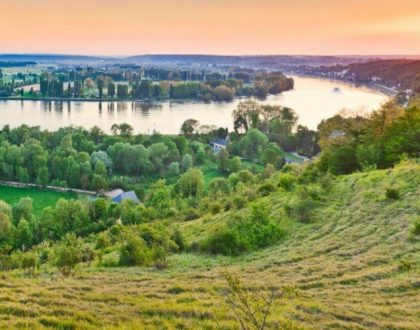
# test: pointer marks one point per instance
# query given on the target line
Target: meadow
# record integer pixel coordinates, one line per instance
(355, 266)
(42, 198)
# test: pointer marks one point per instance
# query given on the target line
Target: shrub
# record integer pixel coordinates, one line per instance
(415, 230)
(191, 214)
(240, 235)
(160, 257)
(286, 181)
(68, 254)
(215, 208)
(266, 189)
(178, 239)
(392, 193)
(28, 263)
(134, 252)
(405, 264)
(239, 202)
(88, 254)
(102, 241)
(302, 208)
(224, 241)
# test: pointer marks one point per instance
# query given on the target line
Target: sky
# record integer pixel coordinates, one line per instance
(246, 27)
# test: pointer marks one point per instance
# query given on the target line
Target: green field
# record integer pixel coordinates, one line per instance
(41, 197)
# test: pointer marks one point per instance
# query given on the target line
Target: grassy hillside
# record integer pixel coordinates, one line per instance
(355, 266)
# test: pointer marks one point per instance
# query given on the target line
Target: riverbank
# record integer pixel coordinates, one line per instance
(378, 87)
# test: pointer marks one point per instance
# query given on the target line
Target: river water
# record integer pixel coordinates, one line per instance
(313, 99)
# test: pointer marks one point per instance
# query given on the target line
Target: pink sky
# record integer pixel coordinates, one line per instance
(210, 26)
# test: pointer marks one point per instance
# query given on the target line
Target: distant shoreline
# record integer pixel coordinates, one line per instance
(378, 87)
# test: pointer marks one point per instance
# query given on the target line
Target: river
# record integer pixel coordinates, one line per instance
(313, 99)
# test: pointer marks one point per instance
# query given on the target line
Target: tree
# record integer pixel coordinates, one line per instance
(43, 176)
(246, 115)
(68, 254)
(191, 183)
(253, 144)
(77, 89)
(223, 161)
(23, 235)
(187, 162)
(189, 127)
(235, 164)
(173, 169)
(22, 210)
(159, 155)
(6, 228)
(223, 94)
(111, 90)
(133, 252)
(100, 87)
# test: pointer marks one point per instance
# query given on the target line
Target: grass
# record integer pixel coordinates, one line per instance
(349, 266)
(42, 198)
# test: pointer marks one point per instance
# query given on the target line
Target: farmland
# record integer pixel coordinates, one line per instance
(42, 198)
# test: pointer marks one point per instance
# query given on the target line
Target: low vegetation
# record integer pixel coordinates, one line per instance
(338, 234)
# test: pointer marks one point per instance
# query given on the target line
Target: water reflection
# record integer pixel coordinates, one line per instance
(312, 99)
(121, 106)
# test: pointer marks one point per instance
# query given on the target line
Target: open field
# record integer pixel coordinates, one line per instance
(356, 266)
(41, 197)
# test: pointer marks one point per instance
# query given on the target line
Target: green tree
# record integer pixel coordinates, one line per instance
(253, 144)
(191, 183)
(223, 161)
(68, 254)
(134, 252)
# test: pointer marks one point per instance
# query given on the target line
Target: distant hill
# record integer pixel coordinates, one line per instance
(258, 61)
(400, 73)
(49, 58)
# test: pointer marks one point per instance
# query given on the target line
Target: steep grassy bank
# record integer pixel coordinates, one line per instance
(356, 265)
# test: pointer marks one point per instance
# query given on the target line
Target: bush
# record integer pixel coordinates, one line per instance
(415, 230)
(68, 254)
(103, 241)
(28, 263)
(286, 181)
(192, 214)
(266, 189)
(239, 202)
(392, 193)
(302, 209)
(178, 239)
(215, 208)
(224, 241)
(88, 254)
(134, 252)
(160, 257)
(240, 235)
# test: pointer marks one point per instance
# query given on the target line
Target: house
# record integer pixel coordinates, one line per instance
(119, 195)
(219, 144)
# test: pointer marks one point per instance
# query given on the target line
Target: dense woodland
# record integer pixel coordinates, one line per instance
(176, 190)
(402, 74)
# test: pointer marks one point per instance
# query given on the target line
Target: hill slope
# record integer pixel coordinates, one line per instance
(356, 266)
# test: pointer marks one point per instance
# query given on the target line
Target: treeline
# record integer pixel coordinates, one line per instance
(380, 140)
(401, 73)
(149, 85)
